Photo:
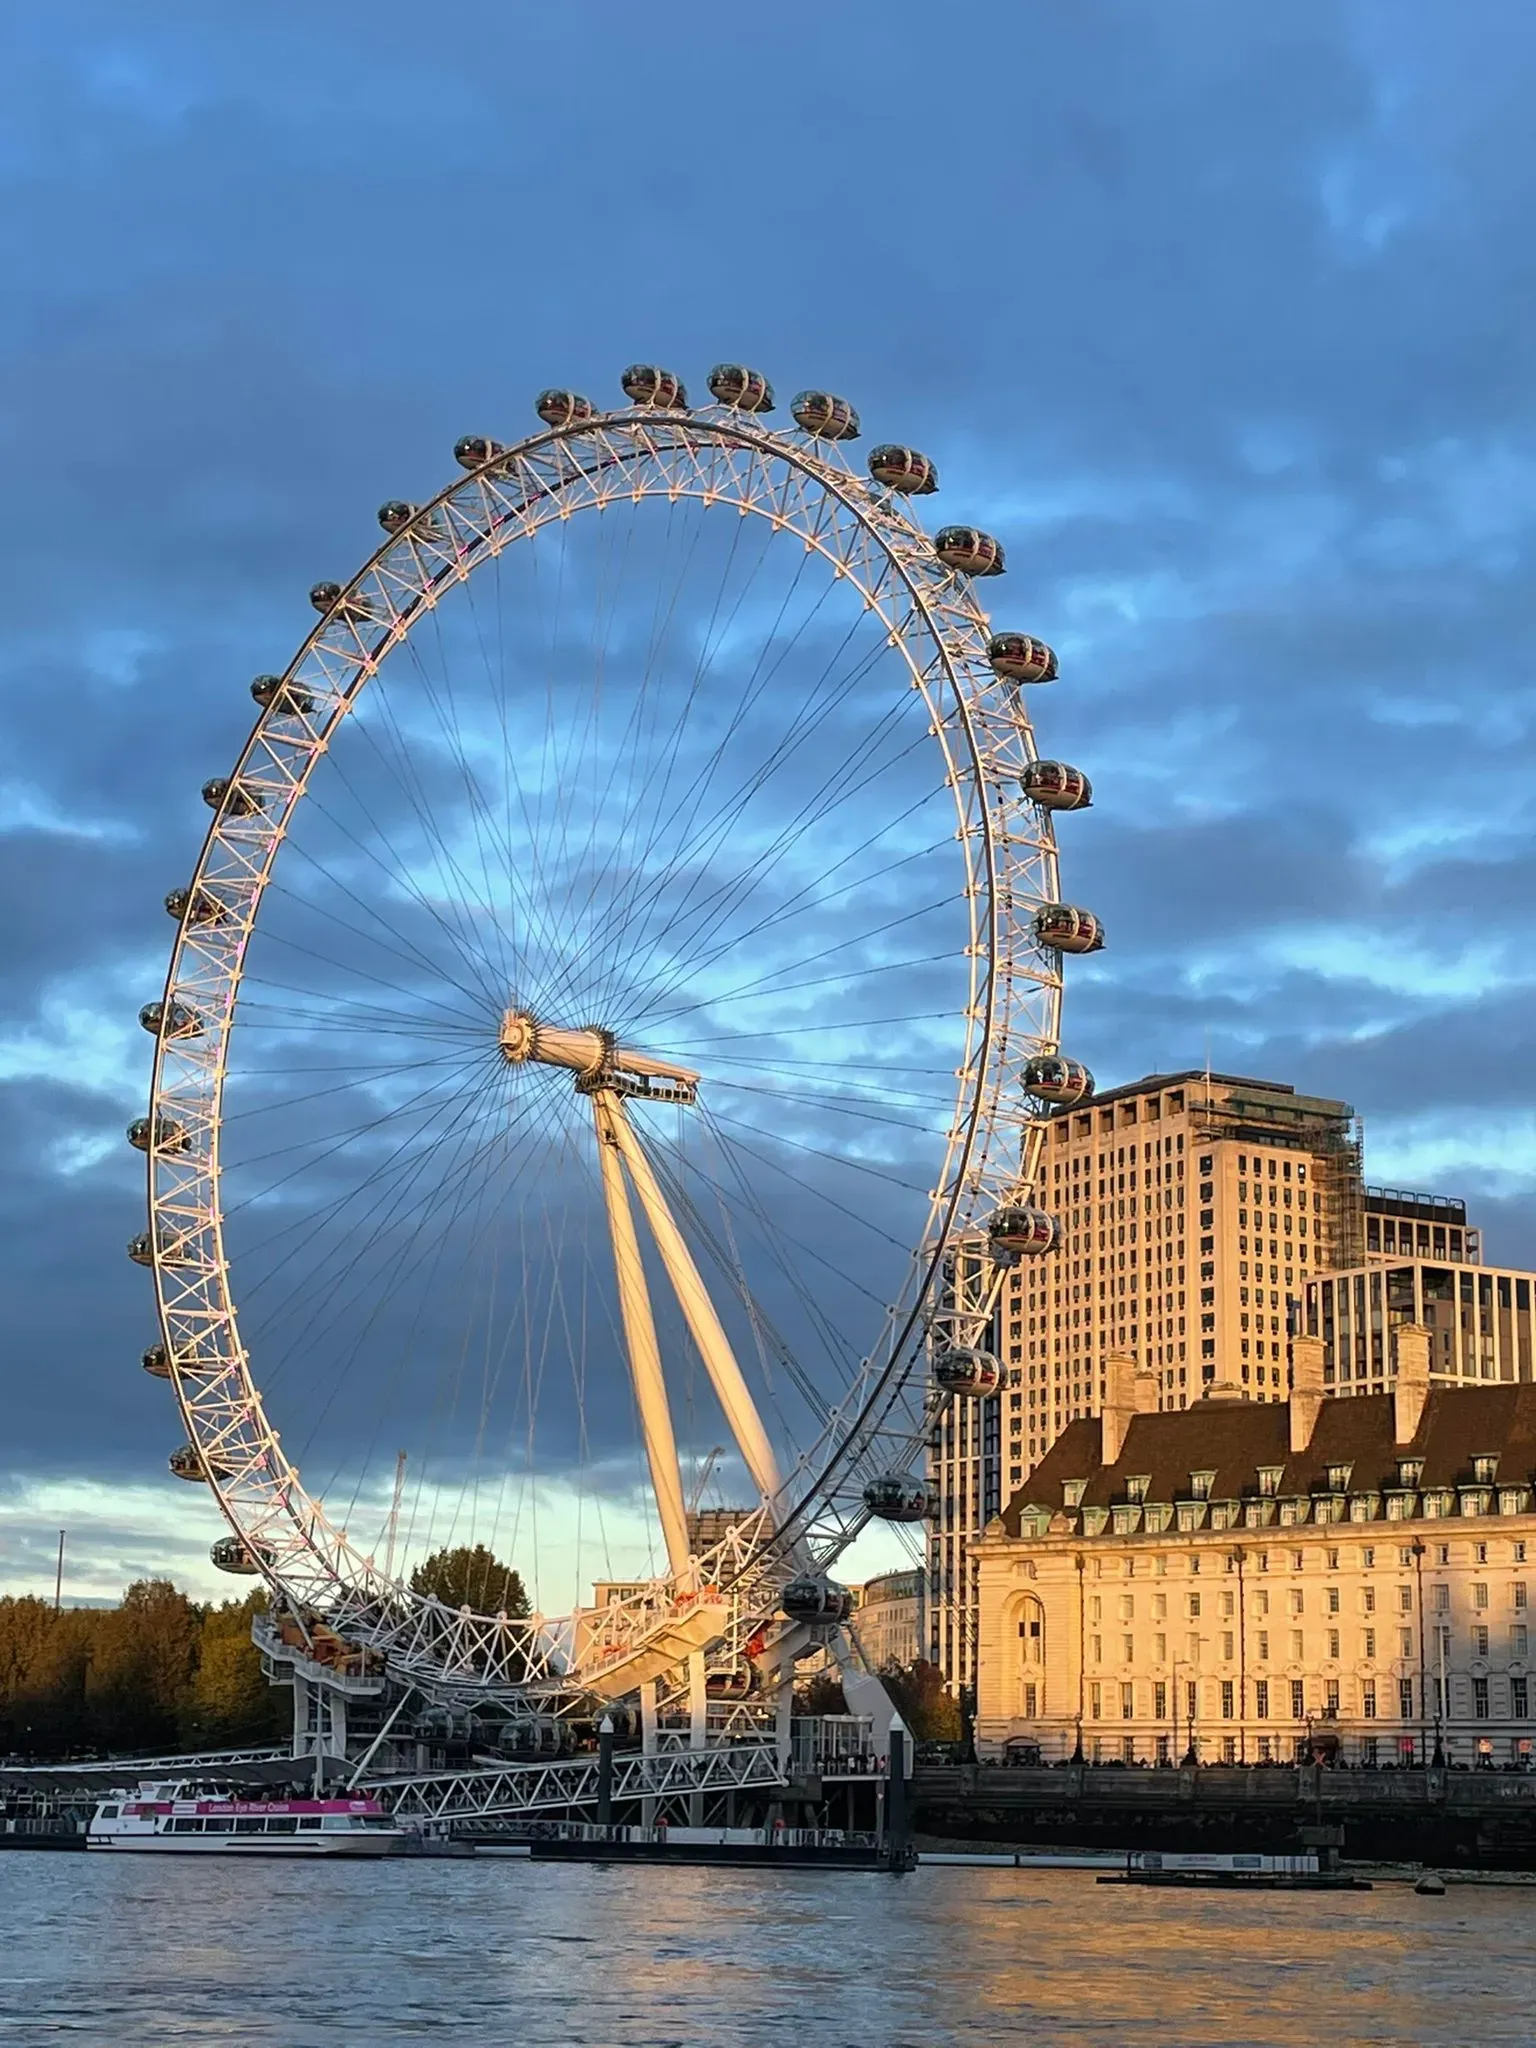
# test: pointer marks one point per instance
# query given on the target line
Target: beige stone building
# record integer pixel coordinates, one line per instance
(1193, 1208)
(1250, 1581)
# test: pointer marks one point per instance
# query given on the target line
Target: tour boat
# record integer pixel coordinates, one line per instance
(158, 1818)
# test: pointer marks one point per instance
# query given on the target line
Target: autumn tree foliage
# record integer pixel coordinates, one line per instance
(471, 1576)
(158, 1673)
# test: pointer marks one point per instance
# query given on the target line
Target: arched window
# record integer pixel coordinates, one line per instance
(1029, 1621)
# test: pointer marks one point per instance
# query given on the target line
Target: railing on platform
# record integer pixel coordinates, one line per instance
(573, 1781)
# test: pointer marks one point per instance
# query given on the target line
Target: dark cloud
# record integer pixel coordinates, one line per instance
(1220, 320)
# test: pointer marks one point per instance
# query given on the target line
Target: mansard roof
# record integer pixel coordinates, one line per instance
(1234, 1439)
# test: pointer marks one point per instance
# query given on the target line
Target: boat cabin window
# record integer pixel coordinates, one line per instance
(283, 1824)
(109, 1813)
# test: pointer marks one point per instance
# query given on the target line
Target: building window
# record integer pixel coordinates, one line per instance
(1405, 1698)
(1160, 1701)
(1298, 1700)
(1228, 1699)
(1479, 1642)
(1480, 1595)
(1127, 1702)
(1480, 1699)
(1261, 1699)
(1519, 1699)
(1331, 1696)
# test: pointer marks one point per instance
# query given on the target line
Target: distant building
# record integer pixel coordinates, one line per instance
(709, 1526)
(1253, 1582)
(890, 1625)
(1193, 1209)
(1478, 1317)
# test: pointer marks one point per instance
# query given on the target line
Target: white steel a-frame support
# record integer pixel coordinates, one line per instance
(731, 1389)
(640, 1339)
(608, 1073)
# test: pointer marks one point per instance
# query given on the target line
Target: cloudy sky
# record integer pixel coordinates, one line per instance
(1218, 316)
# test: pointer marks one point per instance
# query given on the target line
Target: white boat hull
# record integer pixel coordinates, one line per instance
(375, 1844)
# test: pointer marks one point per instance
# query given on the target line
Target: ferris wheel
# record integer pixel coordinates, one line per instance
(614, 1011)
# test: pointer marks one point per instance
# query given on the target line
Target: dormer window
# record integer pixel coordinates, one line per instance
(1136, 1487)
(1269, 1480)
(1338, 1478)
(1200, 1484)
(1484, 1466)
(1410, 1471)
(1072, 1491)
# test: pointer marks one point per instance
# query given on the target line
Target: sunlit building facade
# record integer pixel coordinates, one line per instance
(1247, 1582)
(1194, 1208)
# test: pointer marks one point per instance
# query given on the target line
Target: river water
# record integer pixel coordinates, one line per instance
(148, 1952)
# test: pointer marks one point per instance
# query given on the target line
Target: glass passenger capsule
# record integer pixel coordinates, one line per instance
(1068, 929)
(816, 1601)
(827, 417)
(972, 1373)
(1058, 1080)
(274, 693)
(747, 390)
(395, 513)
(352, 609)
(179, 1021)
(239, 1555)
(644, 384)
(564, 408)
(969, 551)
(903, 469)
(234, 799)
(173, 1251)
(156, 1361)
(1019, 1230)
(473, 451)
(164, 1132)
(1056, 786)
(194, 906)
(897, 1497)
(187, 1462)
(1021, 659)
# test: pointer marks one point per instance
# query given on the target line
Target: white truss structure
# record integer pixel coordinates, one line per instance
(553, 1787)
(868, 539)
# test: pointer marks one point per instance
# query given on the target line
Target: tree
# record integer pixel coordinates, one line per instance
(143, 1656)
(821, 1693)
(230, 1701)
(929, 1710)
(472, 1577)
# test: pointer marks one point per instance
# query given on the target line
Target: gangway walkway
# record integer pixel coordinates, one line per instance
(573, 1781)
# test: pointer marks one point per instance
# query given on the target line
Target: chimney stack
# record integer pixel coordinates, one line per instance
(1130, 1392)
(1410, 1389)
(1306, 1389)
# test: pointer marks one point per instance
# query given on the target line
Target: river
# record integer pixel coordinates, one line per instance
(150, 1952)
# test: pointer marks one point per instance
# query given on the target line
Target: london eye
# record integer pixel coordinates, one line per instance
(612, 1016)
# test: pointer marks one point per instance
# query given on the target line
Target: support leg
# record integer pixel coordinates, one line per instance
(699, 1312)
(648, 1744)
(698, 1727)
(640, 1341)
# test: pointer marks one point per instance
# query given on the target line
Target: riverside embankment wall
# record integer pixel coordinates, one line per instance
(1464, 1819)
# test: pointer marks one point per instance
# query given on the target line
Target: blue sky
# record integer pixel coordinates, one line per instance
(1218, 317)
